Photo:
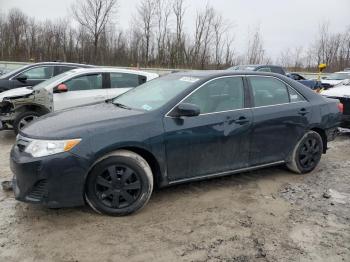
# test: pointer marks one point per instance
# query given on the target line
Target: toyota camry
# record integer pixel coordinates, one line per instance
(178, 128)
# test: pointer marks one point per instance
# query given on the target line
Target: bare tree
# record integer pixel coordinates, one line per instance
(162, 13)
(255, 52)
(146, 11)
(94, 15)
(179, 50)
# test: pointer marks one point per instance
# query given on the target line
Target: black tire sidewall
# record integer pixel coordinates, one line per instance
(146, 186)
(297, 162)
(21, 116)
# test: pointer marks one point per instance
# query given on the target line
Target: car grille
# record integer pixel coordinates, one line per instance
(39, 190)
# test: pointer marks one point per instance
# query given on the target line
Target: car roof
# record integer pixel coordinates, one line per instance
(61, 63)
(113, 69)
(219, 73)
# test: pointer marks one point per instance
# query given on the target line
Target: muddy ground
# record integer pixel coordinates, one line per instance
(266, 215)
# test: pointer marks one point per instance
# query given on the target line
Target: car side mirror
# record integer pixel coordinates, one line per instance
(22, 78)
(61, 88)
(186, 109)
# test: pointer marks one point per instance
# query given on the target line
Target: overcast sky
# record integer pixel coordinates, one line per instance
(283, 23)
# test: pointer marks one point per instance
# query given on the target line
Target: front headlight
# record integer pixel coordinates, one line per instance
(40, 148)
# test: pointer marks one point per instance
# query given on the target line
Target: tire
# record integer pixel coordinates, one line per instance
(120, 184)
(306, 154)
(19, 122)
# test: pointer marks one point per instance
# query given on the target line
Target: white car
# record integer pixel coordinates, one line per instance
(341, 92)
(73, 88)
(335, 78)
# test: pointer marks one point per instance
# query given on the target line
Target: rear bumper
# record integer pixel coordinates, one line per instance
(53, 181)
(345, 121)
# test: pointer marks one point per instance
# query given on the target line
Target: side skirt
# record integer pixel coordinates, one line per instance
(226, 173)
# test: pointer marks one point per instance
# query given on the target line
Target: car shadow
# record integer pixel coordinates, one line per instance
(241, 184)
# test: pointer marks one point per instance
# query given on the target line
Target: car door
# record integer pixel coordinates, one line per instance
(33, 76)
(82, 90)
(281, 116)
(215, 141)
(122, 82)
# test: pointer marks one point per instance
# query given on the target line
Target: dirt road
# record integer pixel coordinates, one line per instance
(266, 215)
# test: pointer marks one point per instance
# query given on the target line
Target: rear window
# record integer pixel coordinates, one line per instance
(124, 80)
(268, 91)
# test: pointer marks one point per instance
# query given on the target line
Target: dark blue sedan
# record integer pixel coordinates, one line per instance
(175, 129)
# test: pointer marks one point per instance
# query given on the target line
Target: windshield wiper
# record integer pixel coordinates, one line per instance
(122, 106)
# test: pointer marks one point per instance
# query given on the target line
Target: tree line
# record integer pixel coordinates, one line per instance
(156, 37)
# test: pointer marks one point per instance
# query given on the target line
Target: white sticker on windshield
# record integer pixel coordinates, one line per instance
(147, 107)
(189, 79)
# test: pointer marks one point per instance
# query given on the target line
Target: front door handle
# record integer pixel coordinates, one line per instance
(303, 111)
(241, 120)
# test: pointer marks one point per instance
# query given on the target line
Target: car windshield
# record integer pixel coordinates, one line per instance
(52, 80)
(14, 71)
(156, 93)
(338, 76)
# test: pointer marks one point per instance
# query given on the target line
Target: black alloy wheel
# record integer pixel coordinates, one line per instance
(306, 154)
(309, 153)
(118, 186)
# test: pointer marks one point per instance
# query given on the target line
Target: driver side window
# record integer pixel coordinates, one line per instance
(39, 73)
(86, 82)
(219, 95)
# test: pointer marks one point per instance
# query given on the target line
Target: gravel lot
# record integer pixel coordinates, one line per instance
(266, 215)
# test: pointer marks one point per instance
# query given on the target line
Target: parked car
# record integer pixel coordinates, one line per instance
(335, 79)
(6, 67)
(33, 74)
(342, 93)
(4, 70)
(178, 128)
(260, 68)
(313, 84)
(20, 106)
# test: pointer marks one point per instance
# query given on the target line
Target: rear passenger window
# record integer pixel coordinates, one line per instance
(219, 95)
(87, 82)
(264, 69)
(123, 80)
(268, 91)
(295, 96)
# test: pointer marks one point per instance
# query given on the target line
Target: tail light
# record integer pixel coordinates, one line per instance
(341, 108)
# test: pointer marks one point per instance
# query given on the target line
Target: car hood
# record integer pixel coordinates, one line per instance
(17, 92)
(76, 122)
(339, 91)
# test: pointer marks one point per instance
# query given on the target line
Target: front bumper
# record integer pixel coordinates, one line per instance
(53, 181)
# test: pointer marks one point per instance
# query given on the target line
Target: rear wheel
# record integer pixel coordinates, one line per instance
(120, 184)
(23, 119)
(306, 154)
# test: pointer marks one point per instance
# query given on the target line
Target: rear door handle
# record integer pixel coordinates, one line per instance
(241, 120)
(303, 111)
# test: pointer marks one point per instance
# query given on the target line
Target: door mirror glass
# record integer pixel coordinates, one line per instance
(61, 88)
(22, 78)
(186, 109)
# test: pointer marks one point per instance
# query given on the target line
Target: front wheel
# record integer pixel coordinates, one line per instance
(23, 119)
(306, 154)
(120, 184)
